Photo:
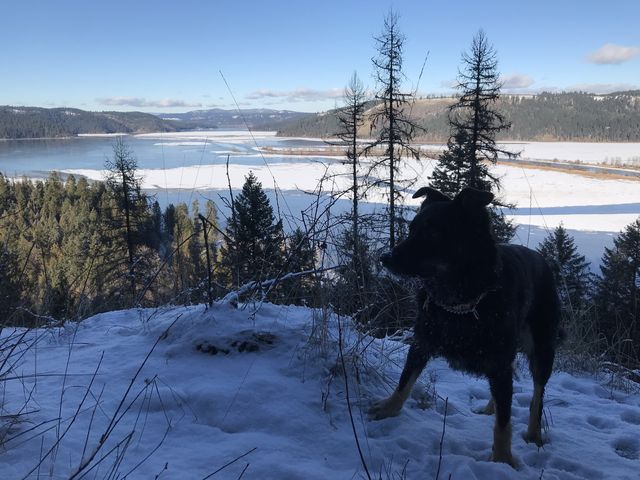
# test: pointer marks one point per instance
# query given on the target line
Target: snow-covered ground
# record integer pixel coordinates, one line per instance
(268, 390)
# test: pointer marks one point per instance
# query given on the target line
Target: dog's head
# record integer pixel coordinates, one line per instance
(449, 246)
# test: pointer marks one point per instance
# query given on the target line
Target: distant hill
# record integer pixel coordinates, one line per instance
(257, 119)
(35, 122)
(545, 117)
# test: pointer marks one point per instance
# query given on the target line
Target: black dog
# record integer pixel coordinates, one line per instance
(480, 303)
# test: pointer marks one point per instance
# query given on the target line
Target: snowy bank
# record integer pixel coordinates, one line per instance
(222, 383)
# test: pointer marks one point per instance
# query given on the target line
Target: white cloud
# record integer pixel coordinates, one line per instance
(144, 103)
(516, 81)
(611, 53)
(298, 95)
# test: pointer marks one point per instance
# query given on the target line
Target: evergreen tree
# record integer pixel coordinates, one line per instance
(394, 128)
(450, 174)
(570, 269)
(211, 215)
(355, 277)
(130, 204)
(184, 238)
(618, 292)
(301, 257)
(475, 121)
(254, 247)
(10, 285)
(58, 239)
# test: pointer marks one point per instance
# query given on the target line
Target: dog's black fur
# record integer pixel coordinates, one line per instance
(480, 303)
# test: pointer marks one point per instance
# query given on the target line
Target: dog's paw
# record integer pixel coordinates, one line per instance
(504, 458)
(534, 438)
(489, 409)
(384, 409)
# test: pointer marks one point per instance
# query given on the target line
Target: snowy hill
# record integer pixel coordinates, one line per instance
(181, 393)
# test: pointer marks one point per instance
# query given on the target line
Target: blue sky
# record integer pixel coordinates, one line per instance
(166, 56)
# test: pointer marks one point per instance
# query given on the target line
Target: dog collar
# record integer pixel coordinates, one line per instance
(457, 309)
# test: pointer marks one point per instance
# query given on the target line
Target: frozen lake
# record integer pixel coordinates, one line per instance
(191, 165)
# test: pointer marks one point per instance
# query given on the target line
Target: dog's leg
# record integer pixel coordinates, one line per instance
(541, 366)
(534, 431)
(416, 360)
(502, 391)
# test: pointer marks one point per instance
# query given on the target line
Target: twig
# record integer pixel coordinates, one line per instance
(84, 463)
(71, 422)
(243, 470)
(230, 463)
(444, 426)
(346, 386)
(249, 286)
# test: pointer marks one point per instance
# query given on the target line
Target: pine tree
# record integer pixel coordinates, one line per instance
(301, 257)
(130, 203)
(570, 269)
(450, 174)
(254, 247)
(475, 121)
(10, 285)
(184, 237)
(618, 293)
(353, 287)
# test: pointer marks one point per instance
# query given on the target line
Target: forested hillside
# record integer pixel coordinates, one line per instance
(548, 116)
(33, 122)
(254, 118)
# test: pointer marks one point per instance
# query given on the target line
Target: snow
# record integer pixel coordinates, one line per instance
(606, 223)
(100, 135)
(181, 144)
(284, 405)
(585, 152)
(210, 134)
(530, 189)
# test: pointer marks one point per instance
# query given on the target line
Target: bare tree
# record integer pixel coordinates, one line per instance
(394, 128)
(351, 119)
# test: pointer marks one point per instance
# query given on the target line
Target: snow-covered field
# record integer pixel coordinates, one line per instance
(267, 390)
(596, 153)
(529, 189)
(584, 152)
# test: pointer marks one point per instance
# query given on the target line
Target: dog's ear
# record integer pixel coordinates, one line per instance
(471, 197)
(432, 195)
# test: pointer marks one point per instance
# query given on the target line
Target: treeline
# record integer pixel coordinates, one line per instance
(572, 116)
(64, 250)
(33, 122)
(601, 312)
(254, 118)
